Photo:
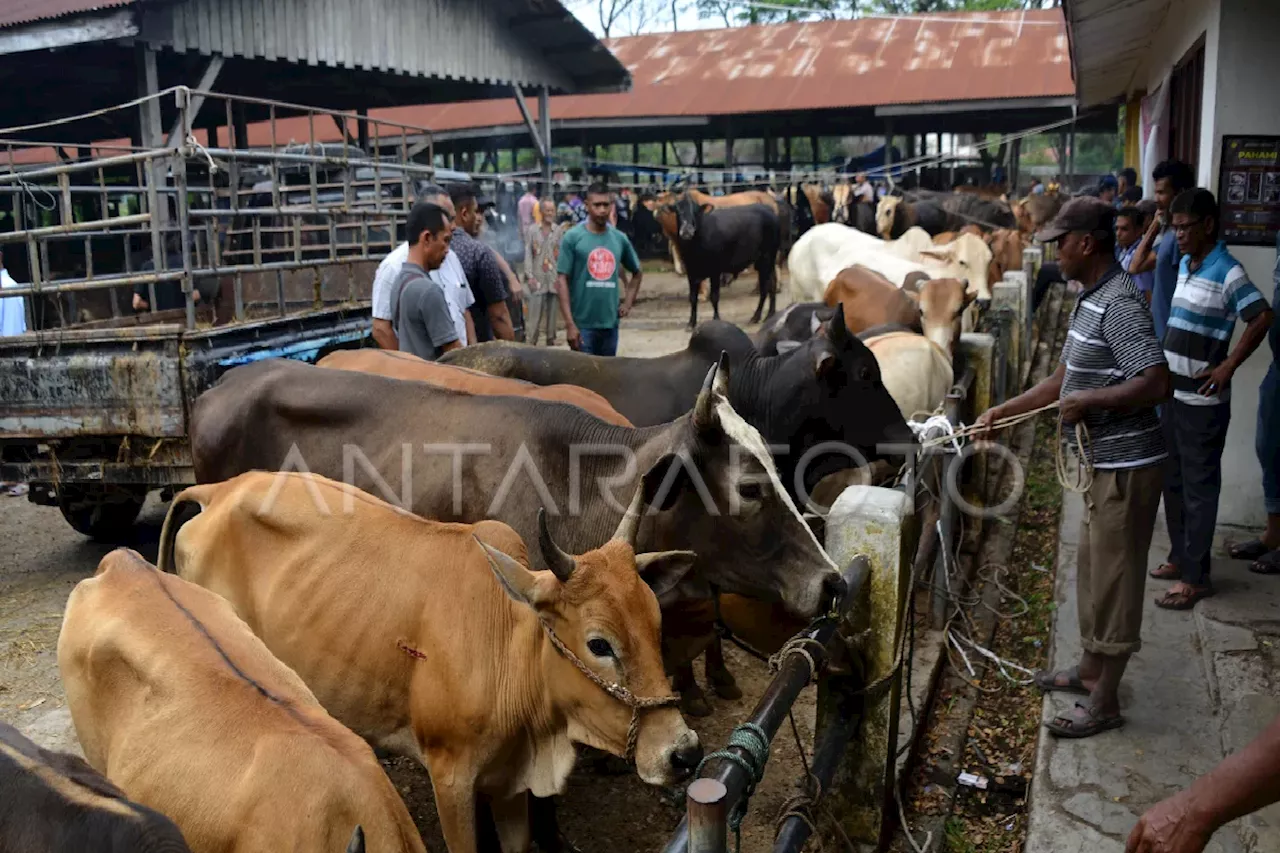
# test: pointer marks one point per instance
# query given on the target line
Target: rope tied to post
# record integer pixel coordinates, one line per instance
(754, 743)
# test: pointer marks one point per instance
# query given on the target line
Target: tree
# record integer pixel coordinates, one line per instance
(734, 12)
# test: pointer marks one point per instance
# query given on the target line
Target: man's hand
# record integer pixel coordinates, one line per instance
(985, 420)
(1074, 406)
(625, 308)
(573, 336)
(1170, 826)
(1216, 379)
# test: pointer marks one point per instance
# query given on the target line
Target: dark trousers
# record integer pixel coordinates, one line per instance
(600, 341)
(1195, 436)
(1267, 441)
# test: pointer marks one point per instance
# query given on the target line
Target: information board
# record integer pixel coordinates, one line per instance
(1249, 190)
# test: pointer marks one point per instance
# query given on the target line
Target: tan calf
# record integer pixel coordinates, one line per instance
(870, 300)
(1006, 252)
(403, 365)
(435, 640)
(177, 703)
(942, 304)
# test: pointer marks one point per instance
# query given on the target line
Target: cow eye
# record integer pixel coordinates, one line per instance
(600, 648)
(751, 491)
(866, 374)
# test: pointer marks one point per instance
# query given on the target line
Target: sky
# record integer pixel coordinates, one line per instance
(586, 11)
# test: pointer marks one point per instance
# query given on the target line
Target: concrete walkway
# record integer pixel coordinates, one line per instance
(1204, 684)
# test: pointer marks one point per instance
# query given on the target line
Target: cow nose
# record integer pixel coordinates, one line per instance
(688, 757)
(834, 586)
(984, 304)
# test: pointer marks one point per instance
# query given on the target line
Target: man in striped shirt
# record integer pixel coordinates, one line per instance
(1212, 291)
(1111, 376)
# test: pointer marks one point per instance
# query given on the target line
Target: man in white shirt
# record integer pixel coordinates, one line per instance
(13, 312)
(449, 276)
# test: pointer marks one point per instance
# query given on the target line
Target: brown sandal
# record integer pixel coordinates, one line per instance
(1184, 599)
(1166, 572)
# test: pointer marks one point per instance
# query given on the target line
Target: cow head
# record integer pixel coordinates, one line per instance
(602, 606)
(942, 305)
(714, 486)
(886, 211)
(827, 391)
(689, 215)
(969, 258)
(842, 209)
(1006, 253)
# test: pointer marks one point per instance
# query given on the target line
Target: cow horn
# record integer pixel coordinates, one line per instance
(560, 563)
(704, 416)
(356, 845)
(837, 331)
(629, 526)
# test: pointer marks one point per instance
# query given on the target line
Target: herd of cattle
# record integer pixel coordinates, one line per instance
(484, 562)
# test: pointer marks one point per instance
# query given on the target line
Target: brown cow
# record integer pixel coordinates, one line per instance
(870, 300)
(453, 652)
(403, 365)
(1006, 252)
(820, 202)
(951, 236)
(181, 706)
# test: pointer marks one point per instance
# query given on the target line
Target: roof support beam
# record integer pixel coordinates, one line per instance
(68, 31)
(196, 101)
(538, 140)
(544, 131)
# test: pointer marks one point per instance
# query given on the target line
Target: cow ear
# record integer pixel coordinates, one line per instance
(664, 570)
(516, 580)
(824, 362)
(708, 207)
(913, 295)
(969, 295)
(815, 323)
(913, 283)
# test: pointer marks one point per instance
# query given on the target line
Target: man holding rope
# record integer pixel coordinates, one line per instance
(1111, 376)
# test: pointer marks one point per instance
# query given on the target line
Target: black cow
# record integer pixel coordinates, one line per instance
(717, 242)
(51, 802)
(790, 328)
(826, 390)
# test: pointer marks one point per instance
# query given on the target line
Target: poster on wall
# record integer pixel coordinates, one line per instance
(1249, 193)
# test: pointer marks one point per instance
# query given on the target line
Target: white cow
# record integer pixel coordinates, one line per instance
(916, 371)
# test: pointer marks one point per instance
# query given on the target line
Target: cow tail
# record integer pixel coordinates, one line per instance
(196, 496)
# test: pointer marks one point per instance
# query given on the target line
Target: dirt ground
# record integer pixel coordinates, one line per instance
(42, 558)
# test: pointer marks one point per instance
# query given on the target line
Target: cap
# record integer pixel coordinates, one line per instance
(1109, 181)
(1080, 214)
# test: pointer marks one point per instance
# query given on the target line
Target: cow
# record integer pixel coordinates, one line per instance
(740, 199)
(917, 372)
(1006, 246)
(894, 215)
(820, 202)
(521, 454)
(791, 327)
(826, 391)
(403, 365)
(715, 242)
(53, 802)
(179, 704)
(869, 299)
(464, 659)
(1037, 209)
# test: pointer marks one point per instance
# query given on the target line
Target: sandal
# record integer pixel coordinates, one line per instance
(1082, 726)
(1184, 599)
(1166, 572)
(1267, 564)
(1251, 550)
(1048, 681)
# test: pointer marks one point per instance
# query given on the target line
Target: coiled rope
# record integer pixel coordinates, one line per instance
(754, 743)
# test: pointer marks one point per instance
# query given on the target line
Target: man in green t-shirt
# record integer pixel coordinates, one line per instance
(591, 257)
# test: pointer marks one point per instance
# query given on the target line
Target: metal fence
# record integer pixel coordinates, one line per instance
(192, 214)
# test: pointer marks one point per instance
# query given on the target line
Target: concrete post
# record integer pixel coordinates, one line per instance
(877, 523)
(979, 351)
(1011, 294)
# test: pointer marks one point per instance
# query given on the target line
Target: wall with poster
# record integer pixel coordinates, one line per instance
(1249, 190)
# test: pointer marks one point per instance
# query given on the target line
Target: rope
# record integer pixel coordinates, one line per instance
(754, 743)
(201, 150)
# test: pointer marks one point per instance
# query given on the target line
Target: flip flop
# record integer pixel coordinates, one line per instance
(1166, 572)
(1267, 564)
(1047, 681)
(1251, 550)
(1183, 600)
(1067, 726)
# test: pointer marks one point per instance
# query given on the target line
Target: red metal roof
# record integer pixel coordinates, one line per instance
(14, 12)
(810, 66)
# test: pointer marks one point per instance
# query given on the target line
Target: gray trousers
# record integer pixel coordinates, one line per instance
(543, 308)
(1195, 437)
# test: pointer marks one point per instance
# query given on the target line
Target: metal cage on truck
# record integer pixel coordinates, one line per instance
(238, 253)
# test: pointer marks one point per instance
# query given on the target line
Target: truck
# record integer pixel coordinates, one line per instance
(150, 272)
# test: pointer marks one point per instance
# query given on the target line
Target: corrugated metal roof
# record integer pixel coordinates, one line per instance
(1109, 44)
(811, 66)
(13, 12)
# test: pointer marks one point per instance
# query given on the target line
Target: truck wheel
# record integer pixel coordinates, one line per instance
(105, 513)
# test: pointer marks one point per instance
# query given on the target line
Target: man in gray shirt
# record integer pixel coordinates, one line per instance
(419, 307)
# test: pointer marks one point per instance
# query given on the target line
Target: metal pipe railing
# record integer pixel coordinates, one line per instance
(794, 675)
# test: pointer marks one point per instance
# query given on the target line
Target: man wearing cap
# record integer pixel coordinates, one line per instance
(1111, 375)
(1108, 187)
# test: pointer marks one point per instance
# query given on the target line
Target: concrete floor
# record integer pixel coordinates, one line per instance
(1203, 685)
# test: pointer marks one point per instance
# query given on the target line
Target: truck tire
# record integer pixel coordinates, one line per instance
(104, 513)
